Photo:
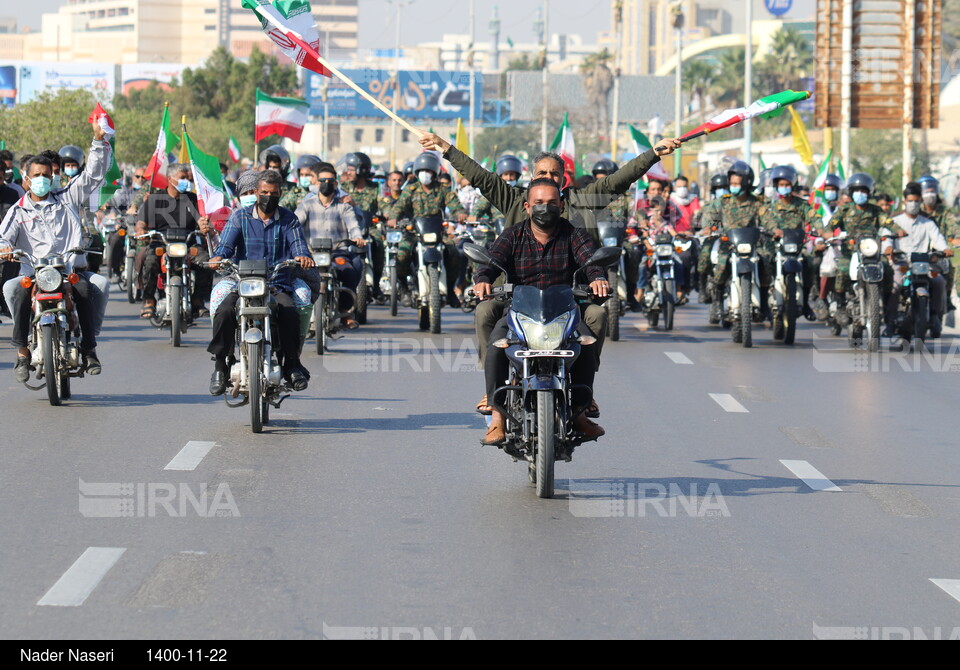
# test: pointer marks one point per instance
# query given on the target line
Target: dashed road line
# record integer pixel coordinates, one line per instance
(951, 586)
(810, 476)
(729, 403)
(190, 456)
(678, 358)
(81, 578)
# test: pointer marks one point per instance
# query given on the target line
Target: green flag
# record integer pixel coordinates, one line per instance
(111, 182)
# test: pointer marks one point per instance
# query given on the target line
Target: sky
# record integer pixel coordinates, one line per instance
(428, 20)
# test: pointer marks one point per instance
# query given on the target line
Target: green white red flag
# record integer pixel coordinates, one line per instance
(290, 25)
(234, 149)
(207, 180)
(641, 145)
(563, 144)
(767, 108)
(156, 170)
(280, 116)
(816, 191)
(111, 181)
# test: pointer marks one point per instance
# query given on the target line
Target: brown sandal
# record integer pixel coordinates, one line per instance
(483, 407)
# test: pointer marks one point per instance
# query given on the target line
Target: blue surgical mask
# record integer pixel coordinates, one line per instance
(859, 198)
(184, 185)
(135, 186)
(71, 172)
(247, 200)
(830, 196)
(512, 182)
(784, 191)
(736, 190)
(304, 182)
(40, 186)
(720, 192)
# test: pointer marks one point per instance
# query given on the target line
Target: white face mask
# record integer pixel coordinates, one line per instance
(930, 199)
(425, 177)
(682, 192)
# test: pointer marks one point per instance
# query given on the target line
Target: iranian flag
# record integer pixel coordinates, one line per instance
(280, 116)
(767, 108)
(234, 150)
(641, 145)
(290, 25)
(111, 181)
(103, 120)
(207, 180)
(564, 145)
(156, 170)
(816, 191)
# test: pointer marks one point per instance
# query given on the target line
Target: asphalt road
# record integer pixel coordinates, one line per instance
(767, 493)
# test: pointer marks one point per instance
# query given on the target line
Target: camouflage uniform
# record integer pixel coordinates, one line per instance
(705, 218)
(735, 213)
(949, 225)
(855, 221)
(291, 198)
(786, 213)
(484, 210)
(367, 200)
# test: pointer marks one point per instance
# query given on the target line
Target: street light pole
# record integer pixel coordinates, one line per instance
(615, 126)
(400, 4)
(678, 20)
(748, 86)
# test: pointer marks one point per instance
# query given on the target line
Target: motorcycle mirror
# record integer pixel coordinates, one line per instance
(604, 257)
(477, 254)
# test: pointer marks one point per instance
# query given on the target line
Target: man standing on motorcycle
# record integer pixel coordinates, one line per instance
(426, 198)
(45, 222)
(918, 234)
(788, 211)
(738, 209)
(273, 234)
(545, 251)
(324, 214)
(176, 209)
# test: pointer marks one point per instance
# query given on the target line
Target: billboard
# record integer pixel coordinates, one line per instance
(141, 75)
(8, 86)
(424, 94)
(35, 77)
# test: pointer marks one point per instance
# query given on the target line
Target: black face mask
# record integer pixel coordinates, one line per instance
(327, 189)
(545, 216)
(268, 203)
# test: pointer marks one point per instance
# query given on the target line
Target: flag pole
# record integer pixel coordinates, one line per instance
(299, 41)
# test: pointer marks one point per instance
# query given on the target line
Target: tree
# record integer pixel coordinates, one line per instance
(597, 83)
(512, 139)
(52, 120)
(698, 78)
(879, 154)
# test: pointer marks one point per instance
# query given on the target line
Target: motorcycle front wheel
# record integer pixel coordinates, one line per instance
(920, 320)
(746, 311)
(613, 307)
(874, 320)
(394, 291)
(254, 367)
(436, 299)
(174, 299)
(130, 281)
(669, 300)
(546, 442)
(791, 312)
(320, 322)
(363, 294)
(51, 364)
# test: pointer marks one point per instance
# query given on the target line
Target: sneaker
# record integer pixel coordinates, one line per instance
(22, 369)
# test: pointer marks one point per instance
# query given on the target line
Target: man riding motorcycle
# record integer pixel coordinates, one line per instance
(947, 222)
(303, 167)
(264, 231)
(738, 209)
(719, 187)
(509, 169)
(545, 251)
(355, 180)
(45, 222)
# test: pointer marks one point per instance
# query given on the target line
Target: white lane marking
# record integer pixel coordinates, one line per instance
(951, 586)
(810, 476)
(82, 577)
(190, 456)
(729, 403)
(678, 358)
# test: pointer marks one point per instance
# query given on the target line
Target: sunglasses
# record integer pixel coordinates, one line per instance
(326, 181)
(138, 176)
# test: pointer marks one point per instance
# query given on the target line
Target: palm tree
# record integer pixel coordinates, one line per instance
(597, 83)
(726, 89)
(698, 78)
(790, 60)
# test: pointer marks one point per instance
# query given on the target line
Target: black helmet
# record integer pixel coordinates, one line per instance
(719, 181)
(276, 152)
(860, 180)
(71, 153)
(833, 180)
(427, 161)
(360, 161)
(745, 172)
(604, 166)
(306, 161)
(507, 164)
(927, 183)
(783, 172)
(408, 168)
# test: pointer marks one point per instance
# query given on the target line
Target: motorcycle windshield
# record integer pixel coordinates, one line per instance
(429, 224)
(252, 269)
(611, 229)
(749, 236)
(793, 236)
(543, 306)
(500, 225)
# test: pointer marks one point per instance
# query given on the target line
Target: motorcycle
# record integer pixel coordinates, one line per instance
(612, 235)
(743, 289)
(256, 374)
(390, 284)
(915, 316)
(129, 269)
(175, 282)
(786, 295)
(327, 317)
(481, 234)
(55, 332)
(542, 344)
(862, 312)
(431, 285)
(662, 296)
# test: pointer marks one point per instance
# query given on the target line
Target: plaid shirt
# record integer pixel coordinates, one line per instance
(529, 263)
(247, 238)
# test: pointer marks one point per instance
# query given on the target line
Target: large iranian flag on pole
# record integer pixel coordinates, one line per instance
(641, 145)
(280, 116)
(766, 107)
(290, 25)
(564, 145)
(206, 179)
(156, 170)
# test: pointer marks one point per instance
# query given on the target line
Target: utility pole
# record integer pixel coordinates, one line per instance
(495, 31)
(473, 71)
(618, 28)
(748, 86)
(400, 4)
(910, 20)
(846, 82)
(678, 20)
(542, 25)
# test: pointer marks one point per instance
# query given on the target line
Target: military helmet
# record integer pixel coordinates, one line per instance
(360, 162)
(604, 166)
(71, 153)
(745, 172)
(719, 181)
(783, 172)
(507, 164)
(306, 161)
(276, 152)
(860, 180)
(427, 161)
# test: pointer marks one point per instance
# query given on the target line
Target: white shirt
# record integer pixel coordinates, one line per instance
(922, 235)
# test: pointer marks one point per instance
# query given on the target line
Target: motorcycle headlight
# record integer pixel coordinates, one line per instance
(920, 268)
(664, 250)
(610, 242)
(744, 248)
(430, 238)
(323, 259)
(49, 279)
(544, 337)
(252, 288)
(869, 247)
(790, 248)
(394, 237)
(177, 249)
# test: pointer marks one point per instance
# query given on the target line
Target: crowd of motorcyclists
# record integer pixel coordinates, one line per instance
(360, 237)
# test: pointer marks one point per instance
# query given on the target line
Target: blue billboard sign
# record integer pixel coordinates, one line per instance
(426, 94)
